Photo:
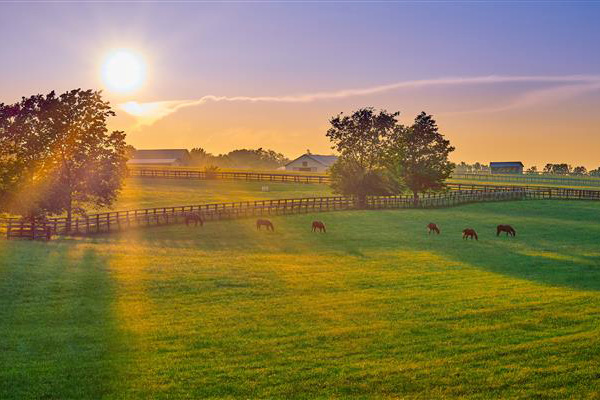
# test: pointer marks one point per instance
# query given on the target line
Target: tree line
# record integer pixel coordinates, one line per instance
(239, 159)
(549, 168)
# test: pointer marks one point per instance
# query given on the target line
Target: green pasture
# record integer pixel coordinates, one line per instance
(373, 308)
(157, 192)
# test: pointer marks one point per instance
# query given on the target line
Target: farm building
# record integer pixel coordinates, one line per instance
(164, 157)
(508, 167)
(311, 163)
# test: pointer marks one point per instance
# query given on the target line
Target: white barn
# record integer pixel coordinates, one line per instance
(311, 163)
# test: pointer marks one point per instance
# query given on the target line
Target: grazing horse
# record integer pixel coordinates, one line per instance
(505, 228)
(470, 233)
(266, 223)
(431, 227)
(318, 225)
(195, 218)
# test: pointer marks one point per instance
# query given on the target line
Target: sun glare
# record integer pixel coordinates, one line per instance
(123, 71)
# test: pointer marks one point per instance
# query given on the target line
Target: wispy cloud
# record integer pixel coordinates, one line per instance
(569, 85)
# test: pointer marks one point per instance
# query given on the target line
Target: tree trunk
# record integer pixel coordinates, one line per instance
(69, 213)
(415, 198)
(361, 201)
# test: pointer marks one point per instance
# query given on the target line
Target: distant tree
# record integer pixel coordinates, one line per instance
(595, 172)
(60, 153)
(199, 156)
(532, 170)
(580, 170)
(129, 151)
(362, 140)
(557, 169)
(419, 155)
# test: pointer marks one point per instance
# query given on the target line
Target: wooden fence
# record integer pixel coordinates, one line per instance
(121, 220)
(325, 179)
(229, 175)
(566, 180)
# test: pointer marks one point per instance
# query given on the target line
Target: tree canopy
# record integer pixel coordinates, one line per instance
(380, 156)
(57, 155)
(419, 155)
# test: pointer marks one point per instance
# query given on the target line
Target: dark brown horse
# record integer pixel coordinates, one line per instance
(195, 218)
(318, 225)
(266, 223)
(470, 233)
(431, 227)
(505, 228)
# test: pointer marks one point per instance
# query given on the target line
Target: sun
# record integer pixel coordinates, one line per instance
(123, 71)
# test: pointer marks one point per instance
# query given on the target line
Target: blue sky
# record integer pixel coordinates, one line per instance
(285, 49)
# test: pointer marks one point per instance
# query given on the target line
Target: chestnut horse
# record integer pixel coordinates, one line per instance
(318, 225)
(505, 228)
(266, 223)
(195, 218)
(470, 233)
(431, 227)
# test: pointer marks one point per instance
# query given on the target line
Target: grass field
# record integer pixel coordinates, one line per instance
(373, 308)
(154, 192)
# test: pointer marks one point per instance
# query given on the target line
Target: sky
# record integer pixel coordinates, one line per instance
(506, 81)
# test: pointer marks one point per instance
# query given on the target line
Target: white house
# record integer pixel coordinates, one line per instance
(311, 163)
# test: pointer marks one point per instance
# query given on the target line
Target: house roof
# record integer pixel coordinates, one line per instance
(181, 154)
(506, 164)
(152, 160)
(324, 160)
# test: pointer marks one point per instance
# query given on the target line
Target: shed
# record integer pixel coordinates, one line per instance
(160, 157)
(311, 163)
(506, 167)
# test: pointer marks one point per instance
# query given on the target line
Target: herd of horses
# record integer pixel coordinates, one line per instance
(468, 233)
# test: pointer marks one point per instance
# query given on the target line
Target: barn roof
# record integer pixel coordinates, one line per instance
(180, 154)
(142, 161)
(324, 160)
(501, 164)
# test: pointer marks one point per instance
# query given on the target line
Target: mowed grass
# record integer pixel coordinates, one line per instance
(155, 192)
(373, 308)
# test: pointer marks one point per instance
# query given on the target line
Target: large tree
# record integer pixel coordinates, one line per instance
(64, 152)
(419, 156)
(362, 139)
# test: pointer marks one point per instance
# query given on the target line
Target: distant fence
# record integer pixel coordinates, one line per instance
(325, 179)
(567, 180)
(228, 175)
(121, 220)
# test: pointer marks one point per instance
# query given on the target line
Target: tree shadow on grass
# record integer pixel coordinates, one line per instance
(59, 334)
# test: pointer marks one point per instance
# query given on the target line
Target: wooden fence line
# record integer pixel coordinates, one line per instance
(121, 220)
(325, 179)
(229, 175)
(529, 178)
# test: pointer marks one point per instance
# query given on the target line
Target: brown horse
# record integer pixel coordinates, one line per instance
(470, 233)
(318, 225)
(431, 227)
(506, 228)
(195, 218)
(266, 223)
